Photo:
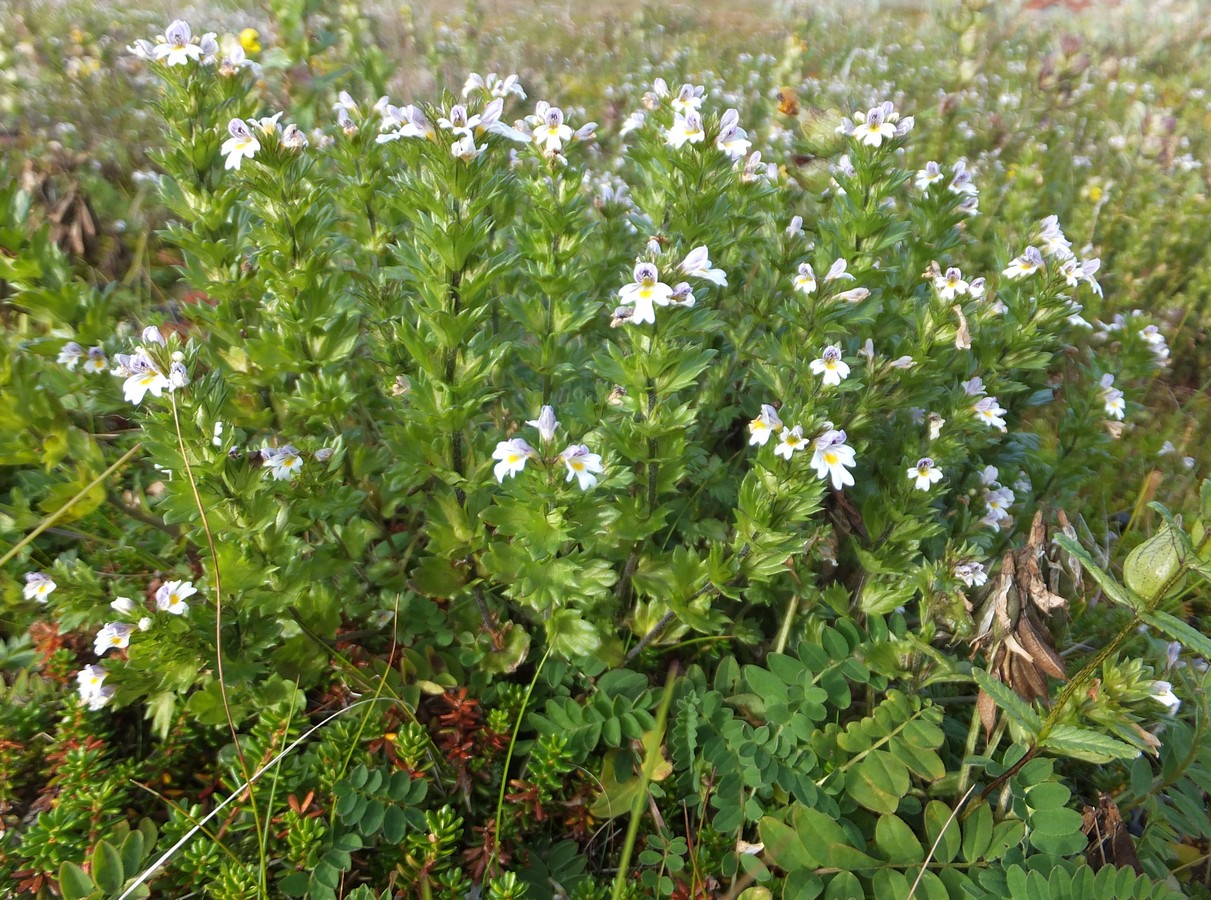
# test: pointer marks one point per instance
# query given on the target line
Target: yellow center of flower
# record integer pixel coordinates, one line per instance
(513, 458)
(173, 599)
(830, 458)
(576, 465)
(289, 461)
(830, 364)
(147, 379)
(115, 640)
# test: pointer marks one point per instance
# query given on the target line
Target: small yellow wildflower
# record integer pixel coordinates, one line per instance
(250, 40)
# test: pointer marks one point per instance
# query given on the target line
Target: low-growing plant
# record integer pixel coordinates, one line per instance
(469, 431)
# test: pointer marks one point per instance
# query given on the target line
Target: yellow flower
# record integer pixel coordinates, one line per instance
(250, 40)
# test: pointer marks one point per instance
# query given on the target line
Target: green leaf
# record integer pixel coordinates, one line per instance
(977, 833)
(1105, 580)
(1090, 746)
(1057, 831)
(74, 884)
(844, 886)
(878, 781)
(1019, 711)
(897, 842)
(938, 822)
(107, 868)
(784, 846)
(1189, 637)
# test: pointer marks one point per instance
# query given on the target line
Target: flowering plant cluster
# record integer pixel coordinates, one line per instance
(479, 407)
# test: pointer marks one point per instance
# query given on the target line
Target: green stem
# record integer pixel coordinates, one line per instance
(504, 775)
(651, 758)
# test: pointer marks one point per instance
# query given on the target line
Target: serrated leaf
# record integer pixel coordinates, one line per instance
(1189, 637)
(1109, 585)
(1018, 710)
(1086, 745)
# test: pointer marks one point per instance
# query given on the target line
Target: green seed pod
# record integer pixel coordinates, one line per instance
(1151, 565)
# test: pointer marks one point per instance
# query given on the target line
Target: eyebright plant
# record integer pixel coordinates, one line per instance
(466, 413)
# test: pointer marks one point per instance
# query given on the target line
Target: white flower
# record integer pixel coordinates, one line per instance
(582, 465)
(930, 175)
(853, 295)
(123, 605)
(293, 138)
(1025, 265)
(831, 365)
(240, 146)
(632, 122)
(512, 455)
(143, 49)
(490, 123)
(805, 281)
(832, 456)
(998, 502)
(989, 476)
(408, 122)
(646, 292)
(971, 574)
(545, 423)
(38, 586)
(143, 376)
(871, 129)
(792, 442)
(465, 149)
(217, 435)
(924, 474)
(552, 132)
(976, 288)
(961, 184)
(989, 411)
(903, 362)
(112, 636)
(151, 335)
(1112, 398)
(951, 285)
(1052, 239)
(70, 355)
(145, 623)
(1075, 271)
(171, 597)
(92, 690)
(97, 361)
(1162, 692)
(795, 227)
(935, 425)
(765, 425)
(733, 140)
(176, 47)
(494, 86)
(686, 129)
(267, 124)
(282, 463)
(689, 98)
(697, 264)
(974, 387)
(683, 295)
(837, 270)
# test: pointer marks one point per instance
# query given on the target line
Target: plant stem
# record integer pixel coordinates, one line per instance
(651, 757)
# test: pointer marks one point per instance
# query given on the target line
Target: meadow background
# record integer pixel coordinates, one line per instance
(704, 677)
